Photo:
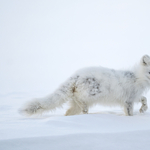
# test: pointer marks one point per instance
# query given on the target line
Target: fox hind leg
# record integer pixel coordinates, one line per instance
(83, 106)
(74, 109)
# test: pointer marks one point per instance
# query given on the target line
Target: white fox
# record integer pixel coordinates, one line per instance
(98, 85)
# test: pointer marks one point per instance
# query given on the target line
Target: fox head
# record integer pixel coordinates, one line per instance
(145, 62)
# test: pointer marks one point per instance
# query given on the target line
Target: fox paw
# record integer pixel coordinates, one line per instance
(143, 108)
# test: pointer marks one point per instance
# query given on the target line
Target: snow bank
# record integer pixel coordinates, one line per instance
(104, 128)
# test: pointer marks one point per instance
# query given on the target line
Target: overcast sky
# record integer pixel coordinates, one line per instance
(43, 42)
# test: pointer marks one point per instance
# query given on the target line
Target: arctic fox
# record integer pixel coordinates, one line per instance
(98, 85)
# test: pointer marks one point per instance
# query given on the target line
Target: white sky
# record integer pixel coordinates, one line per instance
(44, 42)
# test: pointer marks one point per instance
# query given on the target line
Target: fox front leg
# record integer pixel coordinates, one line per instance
(144, 106)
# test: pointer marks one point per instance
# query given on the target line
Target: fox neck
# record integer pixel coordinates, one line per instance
(142, 82)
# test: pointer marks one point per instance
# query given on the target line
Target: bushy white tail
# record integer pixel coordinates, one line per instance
(51, 102)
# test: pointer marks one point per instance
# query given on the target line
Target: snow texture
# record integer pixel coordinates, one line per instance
(102, 128)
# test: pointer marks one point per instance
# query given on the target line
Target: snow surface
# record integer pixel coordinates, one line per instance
(103, 128)
(42, 43)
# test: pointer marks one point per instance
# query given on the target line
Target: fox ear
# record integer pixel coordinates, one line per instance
(145, 60)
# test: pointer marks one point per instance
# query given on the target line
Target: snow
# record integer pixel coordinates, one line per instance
(103, 128)
(42, 44)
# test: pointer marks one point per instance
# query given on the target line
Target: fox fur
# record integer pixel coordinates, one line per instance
(97, 85)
